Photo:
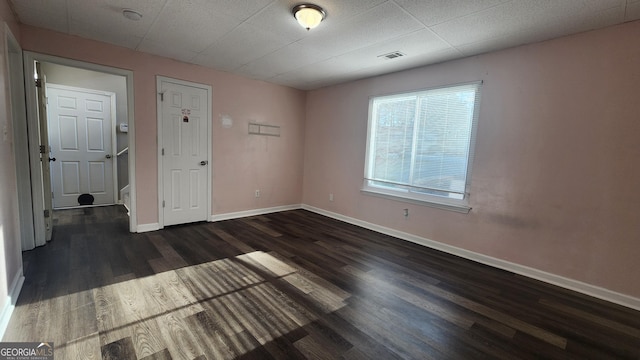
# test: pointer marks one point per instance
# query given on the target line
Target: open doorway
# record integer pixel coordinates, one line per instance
(92, 111)
(88, 135)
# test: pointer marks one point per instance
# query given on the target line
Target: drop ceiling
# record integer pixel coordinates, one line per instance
(261, 39)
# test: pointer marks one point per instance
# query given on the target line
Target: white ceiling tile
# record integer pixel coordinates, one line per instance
(189, 24)
(84, 16)
(58, 8)
(438, 11)
(290, 57)
(89, 31)
(226, 54)
(173, 52)
(550, 30)
(213, 61)
(278, 19)
(240, 10)
(384, 22)
(519, 15)
(341, 11)
(52, 20)
(408, 62)
(306, 75)
(414, 44)
(332, 72)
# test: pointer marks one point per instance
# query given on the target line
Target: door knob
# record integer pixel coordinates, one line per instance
(108, 156)
(52, 159)
(203, 162)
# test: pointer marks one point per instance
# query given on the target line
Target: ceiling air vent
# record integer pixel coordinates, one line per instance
(391, 55)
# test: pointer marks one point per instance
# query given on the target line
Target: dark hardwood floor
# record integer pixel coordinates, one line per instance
(293, 285)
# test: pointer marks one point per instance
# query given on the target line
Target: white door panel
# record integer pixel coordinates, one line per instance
(80, 133)
(185, 141)
(70, 172)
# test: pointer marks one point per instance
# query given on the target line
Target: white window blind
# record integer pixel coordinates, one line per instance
(420, 143)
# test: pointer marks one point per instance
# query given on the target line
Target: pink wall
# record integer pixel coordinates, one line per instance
(241, 163)
(555, 178)
(10, 244)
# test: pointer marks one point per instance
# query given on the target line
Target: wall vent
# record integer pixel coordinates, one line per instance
(391, 55)
(263, 129)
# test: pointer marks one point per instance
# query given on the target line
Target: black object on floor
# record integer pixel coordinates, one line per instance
(85, 199)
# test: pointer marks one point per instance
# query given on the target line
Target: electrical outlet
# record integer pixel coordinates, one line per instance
(257, 193)
(406, 212)
(331, 197)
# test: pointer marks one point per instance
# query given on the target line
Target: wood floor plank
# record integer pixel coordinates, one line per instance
(162, 355)
(122, 349)
(621, 328)
(215, 342)
(293, 285)
(85, 348)
(180, 341)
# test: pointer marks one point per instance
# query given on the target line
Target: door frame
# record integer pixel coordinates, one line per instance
(45, 150)
(32, 123)
(20, 138)
(159, 81)
(114, 146)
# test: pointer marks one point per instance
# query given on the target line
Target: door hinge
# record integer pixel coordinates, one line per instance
(161, 96)
(39, 83)
(162, 203)
(46, 213)
(162, 151)
(43, 149)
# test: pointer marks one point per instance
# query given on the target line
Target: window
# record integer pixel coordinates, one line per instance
(420, 145)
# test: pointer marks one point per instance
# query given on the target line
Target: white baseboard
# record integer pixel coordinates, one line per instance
(12, 298)
(147, 227)
(227, 216)
(254, 212)
(575, 285)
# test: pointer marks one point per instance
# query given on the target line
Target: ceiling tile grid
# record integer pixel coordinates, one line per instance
(192, 26)
(286, 59)
(261, 39)
(438, 11)
(225, 55)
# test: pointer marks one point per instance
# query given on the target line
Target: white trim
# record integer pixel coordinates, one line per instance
(32, 120)
(37, 192)
(148, 227)
(12, 298)
(254, 212)
(160, 139)
(571, 284)
(432, 201)
(17, 106)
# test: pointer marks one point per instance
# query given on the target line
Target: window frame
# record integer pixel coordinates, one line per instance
(405, 195)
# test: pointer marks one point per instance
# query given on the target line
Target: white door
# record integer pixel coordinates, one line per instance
(184, 116)
(80, 135)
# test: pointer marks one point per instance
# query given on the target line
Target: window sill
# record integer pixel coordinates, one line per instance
(443, 204)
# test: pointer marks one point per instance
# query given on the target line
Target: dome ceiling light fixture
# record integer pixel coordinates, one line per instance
(308, 15)
(131, 14)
